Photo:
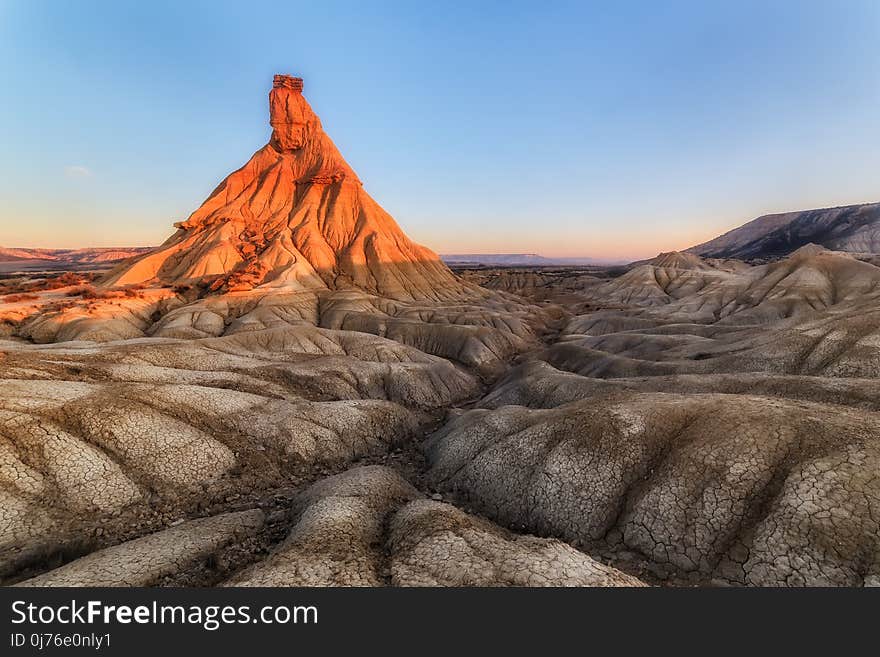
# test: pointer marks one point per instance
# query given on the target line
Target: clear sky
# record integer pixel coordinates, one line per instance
(612, 129)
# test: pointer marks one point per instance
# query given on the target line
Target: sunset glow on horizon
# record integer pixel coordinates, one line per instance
(563, 130)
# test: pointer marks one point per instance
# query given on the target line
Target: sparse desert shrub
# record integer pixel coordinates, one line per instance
(58, 306)
(91, 292)
(55, 282)
(84, 291)
(14, 286)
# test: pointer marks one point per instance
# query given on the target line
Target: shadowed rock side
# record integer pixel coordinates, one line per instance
(143, 561)
(853, 228)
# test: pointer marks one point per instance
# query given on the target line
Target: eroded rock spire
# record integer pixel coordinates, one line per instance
(295, 216)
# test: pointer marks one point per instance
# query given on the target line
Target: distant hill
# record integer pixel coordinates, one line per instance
(9, 255)
(517, 260)
(852, 228)
(72, 256)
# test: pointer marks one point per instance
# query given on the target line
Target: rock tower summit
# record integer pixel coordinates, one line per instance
(290, 115)
(287, 82)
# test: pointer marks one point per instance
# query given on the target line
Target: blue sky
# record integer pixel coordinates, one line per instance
(613, 129)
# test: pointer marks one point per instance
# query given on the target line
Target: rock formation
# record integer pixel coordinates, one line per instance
(294, 217)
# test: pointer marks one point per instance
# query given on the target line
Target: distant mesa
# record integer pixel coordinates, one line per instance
(69, 257)
(294, 217)
(851, 228)
(8, 255)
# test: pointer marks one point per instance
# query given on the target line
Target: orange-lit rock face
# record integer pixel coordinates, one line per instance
(295, 216)
(289, 114)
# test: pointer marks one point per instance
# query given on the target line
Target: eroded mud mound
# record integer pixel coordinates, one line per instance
(434, 544)
(721, 484)
(86, 429)
(143, 561)
(370, 527)
(364, 527)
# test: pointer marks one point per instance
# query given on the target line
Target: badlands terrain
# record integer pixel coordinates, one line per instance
(289, 391)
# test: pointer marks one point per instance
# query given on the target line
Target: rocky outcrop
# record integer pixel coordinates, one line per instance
(294, 217)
